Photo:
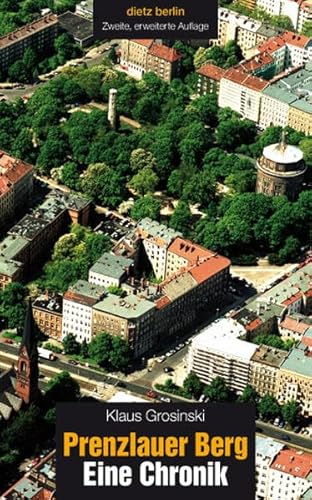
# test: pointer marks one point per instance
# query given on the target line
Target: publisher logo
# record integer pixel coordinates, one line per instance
(156, 19)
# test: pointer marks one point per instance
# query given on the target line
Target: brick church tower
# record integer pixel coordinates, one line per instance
(27, 365)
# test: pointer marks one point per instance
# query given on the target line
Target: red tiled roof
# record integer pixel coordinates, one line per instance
(209, 268)
(239, 75)
(253, 325)
(145, 42)
(169, 54)
(295, 39)
(292, 299)
(272, 44)
(211, 71)
(257, 62)
(11, 171)
(293, 462)
(162, 302)
(294, 325)
(4, 188)
(80, 299)
(189, 250)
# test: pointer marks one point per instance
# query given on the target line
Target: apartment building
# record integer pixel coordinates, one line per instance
(164, 61)
(218, 351)
(289, 474)
(48, 315)
(266, 451)
(132, 318)
(155, 239)
(290, 296)
(294, 327)
(242, 92)
(208, 79)
(294, 378)
(78, 302)
(141, 56)
(85, 9)
(288, 50)
(30, 240)
(133, 56)
(264, 368)
(298, 11)
(16, 186)
(234, 26)
(110, 270)
(40, 35)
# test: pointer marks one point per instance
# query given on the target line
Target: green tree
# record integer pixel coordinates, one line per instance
(249, 395)
(18, 72)
(115, 290)
(62, 388)
(193, 385)
(270, 340)
(207, 109)
(84, 349)
(120, 354)
(70, 175)
(103, 184)
(23, 146)
(70, 344)
(145, 181)
(146, 206)
(181, 219)
(12, 304)
(217, 391)
(54, 151)
(140, 159)
(100, 349)
(290, 412)
(147, 109)
(268, 407)
(234, 132)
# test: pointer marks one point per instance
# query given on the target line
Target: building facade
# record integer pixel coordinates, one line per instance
(78, 302)
(48, 315)
(264, 368)
(39, 35)
(280, 170)
(208, 79)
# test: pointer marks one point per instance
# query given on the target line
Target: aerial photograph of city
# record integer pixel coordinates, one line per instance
(156, 228)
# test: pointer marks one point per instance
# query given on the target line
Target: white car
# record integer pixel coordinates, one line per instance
(161, 359)
(165, 400)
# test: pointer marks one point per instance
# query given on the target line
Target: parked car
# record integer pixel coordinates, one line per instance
(8, 341)
(165, 400)
(151, 394)
(168, 369)
(285, 437)
(72, 362)
(161, 359)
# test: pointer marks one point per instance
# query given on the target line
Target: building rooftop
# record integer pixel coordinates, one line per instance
(28, 30)
(123, 397)
(12, 245)
(82, 289)
(144, 42)
(129, 307)
(12, 170)
(80, 28)
(111, 265)
(296, 323)
(9, 267)
(178, 285)
(307, 495)
(239, 20)
(283, 153)
(299, 360)
(293, 462)
(223, 337)
(168, 54)
(307, 337)
(213, 265)
(149, 229)
(211, 71)
(267, 447)
(269, 356)
(29, 227)
(190, 251)
(240, 76)
(49, 304)
(269, 32)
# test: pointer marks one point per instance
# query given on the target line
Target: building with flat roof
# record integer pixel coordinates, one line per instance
(218, 351)
(30, 240)
(39, 35)
(266, 451)
(131, 317)
(110, 270)
(37, 484)
(78, 27)
(78, 302)
(48, 315)
(264, 368)
(295, 378)
(85, 9)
